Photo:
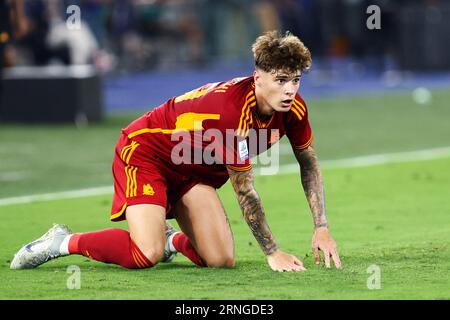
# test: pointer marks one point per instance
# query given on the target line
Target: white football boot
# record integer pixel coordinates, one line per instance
(41, 250)
(169, 250)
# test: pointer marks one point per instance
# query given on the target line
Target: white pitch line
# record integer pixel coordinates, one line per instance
(57, 196)
(375, 159)
(363, 161)
(14, 175)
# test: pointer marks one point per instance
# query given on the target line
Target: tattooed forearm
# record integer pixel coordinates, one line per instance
(252, 209)
(312, 184)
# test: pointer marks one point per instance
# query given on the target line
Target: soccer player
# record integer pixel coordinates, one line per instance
(169, 163)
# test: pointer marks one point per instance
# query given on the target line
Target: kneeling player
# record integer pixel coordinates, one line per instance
(152, 185)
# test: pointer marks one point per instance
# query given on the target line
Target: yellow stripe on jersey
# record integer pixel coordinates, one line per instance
(259, 123)
(118, 214)
(124, 150)
(194, 94)
(127, 191)
(244, 110)
(134, 146)
(136, 260)
(153, 130)
(306, 145)
(134, 190)
(296, 111)
(86, 253)
(246, 168)
(248, 99)
(299, 104)
(298, 108)
(131, 190)
(248, 119)
(188, 121)
(141, 258)
(127, 151)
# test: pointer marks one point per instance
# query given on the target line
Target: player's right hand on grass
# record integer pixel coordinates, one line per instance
(281, 262)
(322, 241)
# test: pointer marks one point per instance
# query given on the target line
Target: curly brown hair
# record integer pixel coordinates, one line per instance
(273, 51)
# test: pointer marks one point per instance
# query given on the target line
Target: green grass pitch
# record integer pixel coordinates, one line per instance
(394, 216)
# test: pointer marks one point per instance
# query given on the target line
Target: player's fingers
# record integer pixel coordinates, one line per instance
(289, 265)
(274, 267)
(296, 260)
(316, 254)
(298, 265)
(277, 268)
(281, 267)
(326, 255)
(336, 259)
(297, 268)
(284, 267)
(287, 268)
(292, 264)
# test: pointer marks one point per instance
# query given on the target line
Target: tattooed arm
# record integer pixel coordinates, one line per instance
(312, 182)
(253, 212)
(252, 209)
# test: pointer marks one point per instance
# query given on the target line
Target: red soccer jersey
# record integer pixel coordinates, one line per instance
(212, 126)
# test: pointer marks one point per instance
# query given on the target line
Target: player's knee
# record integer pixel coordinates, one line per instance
(154, 255)
(154, 252)
(220, 261)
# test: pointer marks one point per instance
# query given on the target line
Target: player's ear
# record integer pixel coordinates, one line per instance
(256, 75)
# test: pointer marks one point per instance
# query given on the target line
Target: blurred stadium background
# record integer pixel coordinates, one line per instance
(145, 51)
(373, 95)
(126, 57)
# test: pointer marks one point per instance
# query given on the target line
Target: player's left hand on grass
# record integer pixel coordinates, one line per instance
(281, 262)
(322, 241)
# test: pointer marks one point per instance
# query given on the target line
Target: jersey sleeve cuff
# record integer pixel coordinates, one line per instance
(241, 169)
(306, 145)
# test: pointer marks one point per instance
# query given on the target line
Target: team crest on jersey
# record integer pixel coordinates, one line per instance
(148, 190)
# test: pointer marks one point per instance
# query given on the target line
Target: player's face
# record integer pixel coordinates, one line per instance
(276, 90)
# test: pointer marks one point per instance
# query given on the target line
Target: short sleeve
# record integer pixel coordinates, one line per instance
(239, 120)
(298, 129)
(239, 159)
(235, 101)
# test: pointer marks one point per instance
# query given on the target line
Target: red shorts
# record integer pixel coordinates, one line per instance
(140, 179)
